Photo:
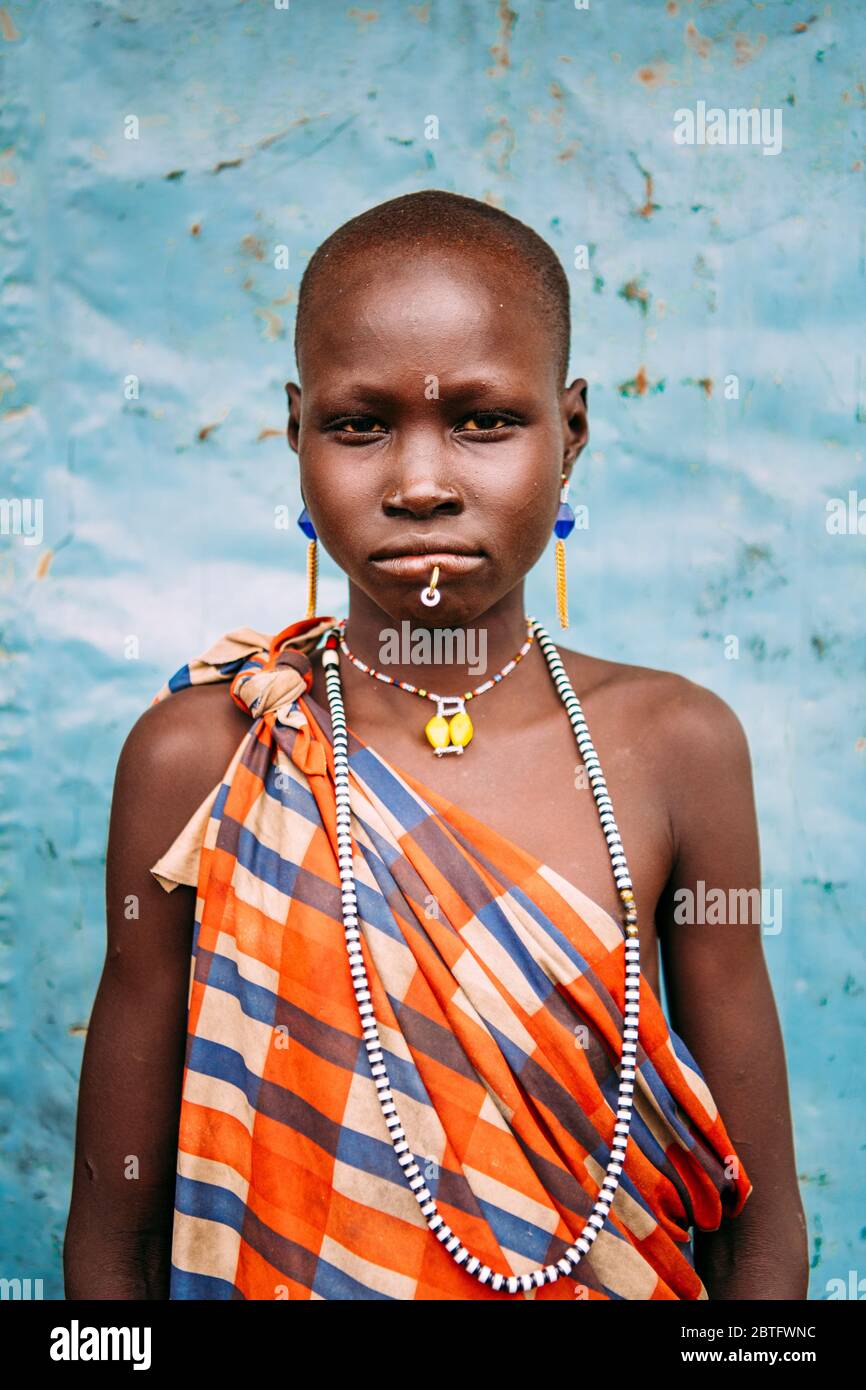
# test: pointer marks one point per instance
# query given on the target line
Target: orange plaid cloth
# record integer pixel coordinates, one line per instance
(498, 987)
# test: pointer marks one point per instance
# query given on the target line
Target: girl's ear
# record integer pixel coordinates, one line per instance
(293, 424)
(575, 420)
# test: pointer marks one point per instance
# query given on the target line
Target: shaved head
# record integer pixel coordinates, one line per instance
(433, 219)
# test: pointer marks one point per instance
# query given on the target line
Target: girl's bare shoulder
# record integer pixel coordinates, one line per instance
(682, 716)
(178, 749)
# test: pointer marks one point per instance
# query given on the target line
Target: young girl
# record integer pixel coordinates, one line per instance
(416, 906)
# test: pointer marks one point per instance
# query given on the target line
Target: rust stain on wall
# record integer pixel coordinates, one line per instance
(697, 42)
(501, 50)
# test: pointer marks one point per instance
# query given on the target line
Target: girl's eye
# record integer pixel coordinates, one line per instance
(358, 424)
(481, 422)
(487, 420)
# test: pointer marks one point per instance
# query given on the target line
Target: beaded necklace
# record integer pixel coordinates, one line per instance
(547, 1274)
(450, 728)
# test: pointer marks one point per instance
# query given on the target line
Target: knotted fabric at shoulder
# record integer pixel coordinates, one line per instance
(269, 682)
(267, 676)
(279, 667)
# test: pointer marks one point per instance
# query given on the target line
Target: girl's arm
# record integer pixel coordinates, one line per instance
(720, 998)
(118, 1235)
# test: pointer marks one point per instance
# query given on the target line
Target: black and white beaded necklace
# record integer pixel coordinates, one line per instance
(547, 1274)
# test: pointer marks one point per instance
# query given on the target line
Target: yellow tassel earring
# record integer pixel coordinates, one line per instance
(562, 527)
(309, 531)
(312, 575)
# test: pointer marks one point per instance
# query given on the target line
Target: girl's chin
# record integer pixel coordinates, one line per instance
(452, 610)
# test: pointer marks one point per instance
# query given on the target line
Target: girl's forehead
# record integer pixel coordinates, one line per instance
(446, 312)
(430, 276)
(422, 308)
(486, 358)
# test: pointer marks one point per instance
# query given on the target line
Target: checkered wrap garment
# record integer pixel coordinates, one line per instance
(498, 988)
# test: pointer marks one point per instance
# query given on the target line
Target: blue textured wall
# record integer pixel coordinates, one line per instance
(154, 258)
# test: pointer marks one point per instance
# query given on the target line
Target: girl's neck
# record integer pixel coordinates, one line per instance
(449, 654)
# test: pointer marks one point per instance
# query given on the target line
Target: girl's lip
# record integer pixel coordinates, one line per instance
(421, 566)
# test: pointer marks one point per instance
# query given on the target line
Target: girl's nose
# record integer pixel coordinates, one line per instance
(422, 495)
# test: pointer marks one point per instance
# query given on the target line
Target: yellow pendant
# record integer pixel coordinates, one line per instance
(460, 728)
(449, 734)
(437, 731)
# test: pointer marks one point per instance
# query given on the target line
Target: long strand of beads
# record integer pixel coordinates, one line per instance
(547, 1274)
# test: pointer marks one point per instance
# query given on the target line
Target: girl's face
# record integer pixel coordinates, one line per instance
(431, 430)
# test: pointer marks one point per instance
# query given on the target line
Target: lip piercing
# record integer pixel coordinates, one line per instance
(431, 595)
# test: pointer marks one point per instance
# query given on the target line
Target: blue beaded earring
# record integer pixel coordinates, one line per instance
(562, 527)
(309, 531)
